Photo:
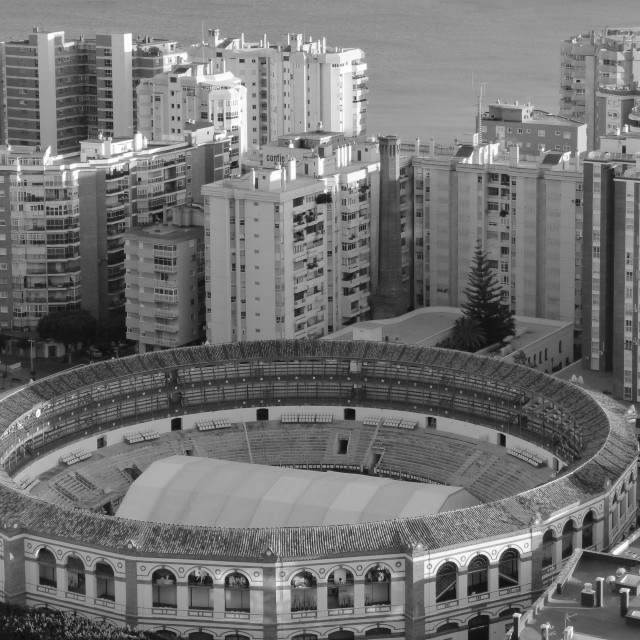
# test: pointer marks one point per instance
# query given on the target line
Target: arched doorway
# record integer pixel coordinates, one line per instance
(479, 628)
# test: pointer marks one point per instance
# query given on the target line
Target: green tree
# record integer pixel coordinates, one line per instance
(468, 334)
(68, 327)
(484, 304)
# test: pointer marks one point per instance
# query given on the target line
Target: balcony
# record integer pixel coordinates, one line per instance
(167, 328)
(170, 314)
(166, 284)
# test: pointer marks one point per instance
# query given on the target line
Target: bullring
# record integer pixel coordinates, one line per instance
(422, 415)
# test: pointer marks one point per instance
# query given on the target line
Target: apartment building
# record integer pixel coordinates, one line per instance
(289, 245)
(65, 217)
(598, 79)
(533, 130)
(611, 266)
(527, 215)
(59, 92)
(294, 84)
(165, 281)
(40, 272)
(188, 94)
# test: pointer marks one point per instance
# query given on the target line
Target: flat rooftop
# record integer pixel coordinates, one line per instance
(223, 493)
(588, 622)
(166, 232)
(429, 325)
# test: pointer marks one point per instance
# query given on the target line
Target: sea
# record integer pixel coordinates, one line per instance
(427, 59)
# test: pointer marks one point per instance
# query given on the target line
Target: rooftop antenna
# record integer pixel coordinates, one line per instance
(479, 116)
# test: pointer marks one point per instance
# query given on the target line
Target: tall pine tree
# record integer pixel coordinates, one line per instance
(484, 303)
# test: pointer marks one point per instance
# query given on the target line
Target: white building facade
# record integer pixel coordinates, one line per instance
(294, 84)
(189, 94)
(527, 216)
(289, 245)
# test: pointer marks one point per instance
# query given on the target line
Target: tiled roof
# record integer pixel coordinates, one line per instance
(609, 449)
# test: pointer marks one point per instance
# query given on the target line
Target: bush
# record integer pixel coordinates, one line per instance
(23, 623)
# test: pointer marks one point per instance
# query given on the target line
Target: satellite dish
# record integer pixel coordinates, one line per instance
(38, 413)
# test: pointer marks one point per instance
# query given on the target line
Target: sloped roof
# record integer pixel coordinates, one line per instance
(223, 493)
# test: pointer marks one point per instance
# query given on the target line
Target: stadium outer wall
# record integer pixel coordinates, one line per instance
(459, 574)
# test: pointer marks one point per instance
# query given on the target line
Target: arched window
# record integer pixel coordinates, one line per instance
(236, 593)
(105, 582)
(479, 628)
(47, 568)
(200, 585)
(305, 636)
(163, 584)
(615, 511)
(377, 632)
(587, 530)
(447, 582)
(567, 539)
(340, 589)
(75, 575)
(200, 635)
(236, 636)
(478, 576)
(303, 592)
(343, 634)
(165, 634)
(448, 626)
(508, 613)
(548, 544)
(508, 569)
(377, 586)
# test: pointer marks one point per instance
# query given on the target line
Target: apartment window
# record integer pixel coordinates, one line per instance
(541, 133)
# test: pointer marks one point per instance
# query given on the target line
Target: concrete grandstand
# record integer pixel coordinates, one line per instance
(552, 466)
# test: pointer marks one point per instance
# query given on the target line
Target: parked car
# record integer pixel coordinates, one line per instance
(94, 352)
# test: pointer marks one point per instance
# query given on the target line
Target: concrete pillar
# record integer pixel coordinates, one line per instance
(599, 592)
(358, 595)
(14, 571)
(462, 583)
(515, 634)
(624, 602)
(131, 580)
(182, 595)
(218, 597)
(89, 584)
(414, 599)
(536, 561)
(269, 605)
